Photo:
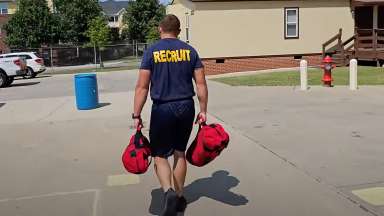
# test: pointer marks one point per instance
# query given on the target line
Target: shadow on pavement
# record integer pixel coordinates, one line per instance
(43, 76)
(24, 84)
(103, 105)
(216, 187)
(37, 77)
(2, 104)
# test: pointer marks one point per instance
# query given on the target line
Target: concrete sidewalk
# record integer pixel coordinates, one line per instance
(332, 134)
(58, 161)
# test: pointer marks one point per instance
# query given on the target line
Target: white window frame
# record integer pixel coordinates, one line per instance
(286, 23)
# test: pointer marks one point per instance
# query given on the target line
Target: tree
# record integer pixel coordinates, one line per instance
(142, 19)
(153, 34)
(114, 35)
(74, 16)
(31, 26)
(98, 33)
(153, 25)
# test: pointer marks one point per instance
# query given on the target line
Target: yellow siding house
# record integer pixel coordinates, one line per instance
(254, 29)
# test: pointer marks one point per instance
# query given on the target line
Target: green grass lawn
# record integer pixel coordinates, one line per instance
(366, 76)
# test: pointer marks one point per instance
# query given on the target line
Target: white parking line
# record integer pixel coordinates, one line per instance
(96, 202)
(51, 195)
(123, 180)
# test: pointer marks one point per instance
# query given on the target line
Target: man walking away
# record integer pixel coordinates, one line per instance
(169, 67)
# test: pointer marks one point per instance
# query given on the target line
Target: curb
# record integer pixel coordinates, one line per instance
(246, 73)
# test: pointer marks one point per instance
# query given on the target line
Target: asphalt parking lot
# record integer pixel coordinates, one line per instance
(291, 152)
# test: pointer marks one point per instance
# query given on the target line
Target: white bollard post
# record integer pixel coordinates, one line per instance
(304, 75)
(353, 74)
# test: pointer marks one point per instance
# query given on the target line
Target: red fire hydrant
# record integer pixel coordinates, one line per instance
(327, 66)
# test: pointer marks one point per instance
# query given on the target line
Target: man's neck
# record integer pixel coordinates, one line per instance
(166, 36)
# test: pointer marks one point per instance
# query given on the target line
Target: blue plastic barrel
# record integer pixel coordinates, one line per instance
(87, 96)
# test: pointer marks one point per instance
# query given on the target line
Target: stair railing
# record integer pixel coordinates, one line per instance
(343, 48)
(333, 39)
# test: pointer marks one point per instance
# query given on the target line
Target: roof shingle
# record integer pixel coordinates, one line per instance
(111, 7)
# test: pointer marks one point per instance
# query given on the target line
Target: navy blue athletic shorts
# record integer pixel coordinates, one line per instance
(170, 127)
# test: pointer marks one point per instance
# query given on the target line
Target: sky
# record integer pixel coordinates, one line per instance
(165, 1)
(161, 1)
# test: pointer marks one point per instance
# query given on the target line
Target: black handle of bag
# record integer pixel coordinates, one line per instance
(138, 135)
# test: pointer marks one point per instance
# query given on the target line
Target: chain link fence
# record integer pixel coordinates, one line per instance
(115, 55)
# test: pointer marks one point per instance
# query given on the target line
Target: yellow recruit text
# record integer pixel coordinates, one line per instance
(163, 56)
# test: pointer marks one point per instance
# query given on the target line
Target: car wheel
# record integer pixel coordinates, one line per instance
(30, 74)
(3, 80)
(9, 81)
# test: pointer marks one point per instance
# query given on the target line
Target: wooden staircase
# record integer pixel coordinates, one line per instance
(366, 44)
(341, 52)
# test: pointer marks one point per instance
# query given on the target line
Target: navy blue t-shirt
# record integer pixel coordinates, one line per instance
(172, 63)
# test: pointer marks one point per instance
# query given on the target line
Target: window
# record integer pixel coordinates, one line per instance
(37, 55)
(291, 23)
(25, 56)
(4, 10)
(4, 7)
(113, 19)
(220, 61)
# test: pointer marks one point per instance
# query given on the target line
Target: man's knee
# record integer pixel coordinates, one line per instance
(160, 160)
(179, 154)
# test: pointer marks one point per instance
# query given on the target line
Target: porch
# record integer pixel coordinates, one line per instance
(367, 43)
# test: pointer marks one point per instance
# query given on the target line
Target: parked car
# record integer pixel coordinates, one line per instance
(11, 68)
(34, 62)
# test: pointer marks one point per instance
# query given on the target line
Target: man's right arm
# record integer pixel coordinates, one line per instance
(202, 92)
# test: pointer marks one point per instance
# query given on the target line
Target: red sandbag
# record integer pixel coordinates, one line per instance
(210, 141)
(136, 156)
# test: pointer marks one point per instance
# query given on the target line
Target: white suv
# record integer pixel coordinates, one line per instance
(11, 68)
(34, 62)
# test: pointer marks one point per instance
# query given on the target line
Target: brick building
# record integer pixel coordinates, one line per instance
(3, 20)
(7, 8)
